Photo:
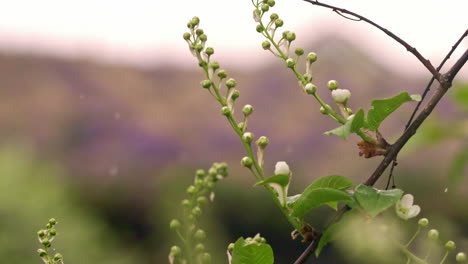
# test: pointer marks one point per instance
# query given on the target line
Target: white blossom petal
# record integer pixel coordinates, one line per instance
(407, 200)
(282, 168)
(414, 211)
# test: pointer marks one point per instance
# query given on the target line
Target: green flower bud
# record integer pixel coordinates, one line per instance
(41, 252)
(265, 8)
(212, 172)
(433, 234)
(48, 226)
(290, 36)
(231, 83)
(323, 110)
(41, 233)
(214, 65)
(311, 57)
(290, 63)
(231, 247)
(310, 88)
(423, 222)
(206, 258)
(299, 51)
(175, 251)
(260, 28)
(199, 247)
(196, 211)
(191, 189)
(241, 125)
(222, 74)
(58, 257)
(266, 45)
(198, 47)
(206, 84)
(174, 225)
(200, 234)
(262, 142)
(450, 245)
(52, 221)
(195, 21)
(279, 22)
(199, 32)
(186, 203)
(45, 242)
(248, 137)
(203, 37)
(274, 16)
(332, 85)
(461, 257)
(225, 111)
(235, 94)
(209, 51)
(53, 232)
(186, 36)
(202, 64)
(247, 162)
(271, 3)
(202, 200)
(200, 174)
(247, 110)
(210, 185)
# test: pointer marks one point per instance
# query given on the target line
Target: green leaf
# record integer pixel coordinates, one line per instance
(313, 197)
(375, 201)
(332, 181)
(459, 165)
(251, 253)
(352, 125)
(358, 121)
(384, 107)
(280, 179)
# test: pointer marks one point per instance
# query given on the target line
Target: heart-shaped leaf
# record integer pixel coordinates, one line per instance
(375, 201)
(251, 253)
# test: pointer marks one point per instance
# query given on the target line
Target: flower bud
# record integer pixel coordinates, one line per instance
(423, 222)
(58, 257)
(200, 174)
(196, 211)
(311, 57)
(206, 258)
(290, 63)
(175, 251)
(266, 45)
(248, 137)
(341, 96)
(225, 111)
(52, 221)
(175, 224)
(290, 36)
(299, 51)
(200, 234)
(222, 74)
(209, 51)
(195, 21)
(41, 233)
(323, 110)
(274, 16)
(260, 28)
(199, 32)
(199, 247)
(202, 64)
(191, 189)
(186, 36)
(247, 162)
(349, 111)
(332, 85)
(450, 245)
(235, 94)
(202, 200)
(461, 257)
(310, 88)
(186, 203)
(433, 234)
(247, 110)
(265, 8)
(271, 3)
(282, 168)
(262, 142)
(53, 232)
(206, 84)
(203, 37)
(231, 247)
(214, 65)
(279, 22)
(41, 252)
(212, 172)
(198, 47)
(231, 83)
(45, 242)
(241, 126)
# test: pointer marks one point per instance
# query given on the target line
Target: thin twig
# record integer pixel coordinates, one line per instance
(428, 88)
(308, 251)
(408, 47)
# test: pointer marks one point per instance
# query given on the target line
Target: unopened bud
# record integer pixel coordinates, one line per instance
(186, 36)
(311, 57)
(202, 200)
(332, 85)
(52, 221)
(248, 137)
(231, 83)
(262, 142)
(199, 32)
(299, 51)
(186, 203)
(247, 162)
(225, 111)
(53, 232)
(271, 3)
(279, 22)
(195, 21)
(450, 245)
(423, 222)
(209, 51)
(235, 94)
(214, 65)
(231, 247)
(433, 234)
(461, 257)
(175, 224)
(310, 88)
(200, 234)
(341, 96)
(222, 74)
(274, 16)
(247, 110)
(266, 45)
(196, 211)
(206, 84)
(191, 189)
(206, 258)
(199, 247)
(290, 36)
(323, 110)
(260, 28)
(200, 173)
(41, 252)
(58, 257)
(175, 251)
(290, 63)
(265, 8)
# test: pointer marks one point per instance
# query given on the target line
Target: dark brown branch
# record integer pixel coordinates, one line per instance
(408, 47)
(446, 83)
(308, 251)
(426, 91)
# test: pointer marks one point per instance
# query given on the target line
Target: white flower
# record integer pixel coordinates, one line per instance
(341, 95)
(405, 208)
(282, 168)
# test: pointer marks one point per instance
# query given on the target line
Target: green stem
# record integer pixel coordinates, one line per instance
(445, 257)
(411, 256)
(414, 237)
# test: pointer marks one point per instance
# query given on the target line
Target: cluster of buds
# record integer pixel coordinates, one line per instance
(257, 240)
(199, 193)
(46, 236)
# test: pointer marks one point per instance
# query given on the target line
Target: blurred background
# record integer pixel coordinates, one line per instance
(103, 121)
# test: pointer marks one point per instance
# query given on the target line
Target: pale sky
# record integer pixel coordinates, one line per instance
(149, 31)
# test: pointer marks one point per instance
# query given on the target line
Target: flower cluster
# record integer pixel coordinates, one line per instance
(46, 236)
(199, 193)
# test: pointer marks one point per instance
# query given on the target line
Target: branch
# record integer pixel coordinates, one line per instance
(308, 251)
(446, 83)
(408, 47)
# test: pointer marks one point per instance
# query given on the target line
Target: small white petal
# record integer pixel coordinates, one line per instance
(341, 95)
(401, 214)
(414, 211)
(282, 168)
(407, 200)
